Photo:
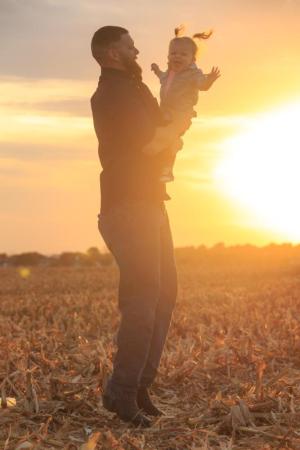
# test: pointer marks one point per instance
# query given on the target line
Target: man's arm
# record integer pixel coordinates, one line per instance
(122, 122)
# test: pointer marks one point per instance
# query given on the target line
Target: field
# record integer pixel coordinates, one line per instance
(230, 373)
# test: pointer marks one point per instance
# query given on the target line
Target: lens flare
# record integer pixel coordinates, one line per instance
(24, 272)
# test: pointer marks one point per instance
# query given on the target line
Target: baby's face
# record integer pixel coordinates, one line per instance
(180, 56)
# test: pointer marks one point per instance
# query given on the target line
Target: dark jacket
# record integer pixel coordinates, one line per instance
(125, 116)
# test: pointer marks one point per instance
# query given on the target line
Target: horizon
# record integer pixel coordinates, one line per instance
(216, 246)
(246, 127)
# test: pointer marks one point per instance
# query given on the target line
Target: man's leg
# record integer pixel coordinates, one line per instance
(165, 305)
(132, 233)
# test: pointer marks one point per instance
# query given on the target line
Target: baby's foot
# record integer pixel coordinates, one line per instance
(166, 178)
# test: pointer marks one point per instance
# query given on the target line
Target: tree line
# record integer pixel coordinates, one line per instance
(286, 256)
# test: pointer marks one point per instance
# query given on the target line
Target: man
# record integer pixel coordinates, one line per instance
(133, 222)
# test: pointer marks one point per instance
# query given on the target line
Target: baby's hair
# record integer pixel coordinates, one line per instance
(179, 30)
(190, 40)
(204, 35)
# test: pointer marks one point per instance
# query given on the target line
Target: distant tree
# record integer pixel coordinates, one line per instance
(3, 259)
(27, 259)
(94, 255)
(219, 246)
(106, 259)
(69, 259)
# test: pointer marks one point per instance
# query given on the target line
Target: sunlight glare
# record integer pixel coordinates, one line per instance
(260, 170)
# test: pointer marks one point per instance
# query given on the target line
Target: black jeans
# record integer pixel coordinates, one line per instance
(139, 237)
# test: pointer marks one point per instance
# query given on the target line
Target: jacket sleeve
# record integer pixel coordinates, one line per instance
(200, 79)
(162, 75)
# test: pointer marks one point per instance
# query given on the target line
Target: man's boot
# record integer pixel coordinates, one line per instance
(124, 404)
(145, 403)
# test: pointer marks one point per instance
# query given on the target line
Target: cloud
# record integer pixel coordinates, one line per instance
(50, 38)
(69, 107)
(195, 179)
(224, 121)
(44, 152)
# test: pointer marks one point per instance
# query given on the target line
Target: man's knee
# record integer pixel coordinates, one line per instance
(140, 296)
(139, 314)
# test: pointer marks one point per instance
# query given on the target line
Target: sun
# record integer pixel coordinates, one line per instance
(261, 170)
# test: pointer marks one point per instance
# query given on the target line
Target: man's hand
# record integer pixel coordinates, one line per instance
(153, 149)
(164, 138)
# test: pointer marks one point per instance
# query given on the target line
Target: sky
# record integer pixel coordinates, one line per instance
(234, 155)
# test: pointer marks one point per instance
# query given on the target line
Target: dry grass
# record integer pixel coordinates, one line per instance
(229, 377)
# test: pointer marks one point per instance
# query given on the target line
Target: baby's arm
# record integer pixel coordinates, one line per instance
(204, 82)
(159, 73)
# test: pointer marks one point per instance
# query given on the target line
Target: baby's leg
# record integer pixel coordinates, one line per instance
(168, 158)
(167, 141)
(163, 138)
(167, 170)
(168, 136)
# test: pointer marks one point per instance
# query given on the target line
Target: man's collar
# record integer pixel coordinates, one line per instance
(111, 72)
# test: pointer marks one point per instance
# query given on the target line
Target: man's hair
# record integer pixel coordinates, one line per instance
(102, 40)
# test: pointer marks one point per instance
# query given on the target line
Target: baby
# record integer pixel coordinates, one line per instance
(180, 85)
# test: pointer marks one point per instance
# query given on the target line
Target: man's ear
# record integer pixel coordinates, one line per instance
(113, 54)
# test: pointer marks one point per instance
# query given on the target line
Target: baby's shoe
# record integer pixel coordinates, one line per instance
(167, 175)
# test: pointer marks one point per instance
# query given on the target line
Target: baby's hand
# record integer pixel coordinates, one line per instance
(154, 67)
(214, 74)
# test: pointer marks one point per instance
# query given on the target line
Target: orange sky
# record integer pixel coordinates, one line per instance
(48, 152)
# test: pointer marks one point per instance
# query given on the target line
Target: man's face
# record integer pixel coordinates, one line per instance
(126, 51)
(125, 54)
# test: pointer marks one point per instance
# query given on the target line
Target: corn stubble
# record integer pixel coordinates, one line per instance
(229, 376)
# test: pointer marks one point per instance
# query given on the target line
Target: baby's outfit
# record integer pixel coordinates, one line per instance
(178, 96)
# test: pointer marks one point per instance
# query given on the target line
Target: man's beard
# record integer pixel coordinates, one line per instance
(133, 68)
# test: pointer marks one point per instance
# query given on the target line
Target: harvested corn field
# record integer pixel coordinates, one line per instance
(230, 373)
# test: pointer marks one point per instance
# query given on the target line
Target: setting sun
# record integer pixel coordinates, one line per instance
(260, 170)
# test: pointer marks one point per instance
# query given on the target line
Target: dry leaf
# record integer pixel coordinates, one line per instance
(23, 445)
(92, 442)
(9, 403)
